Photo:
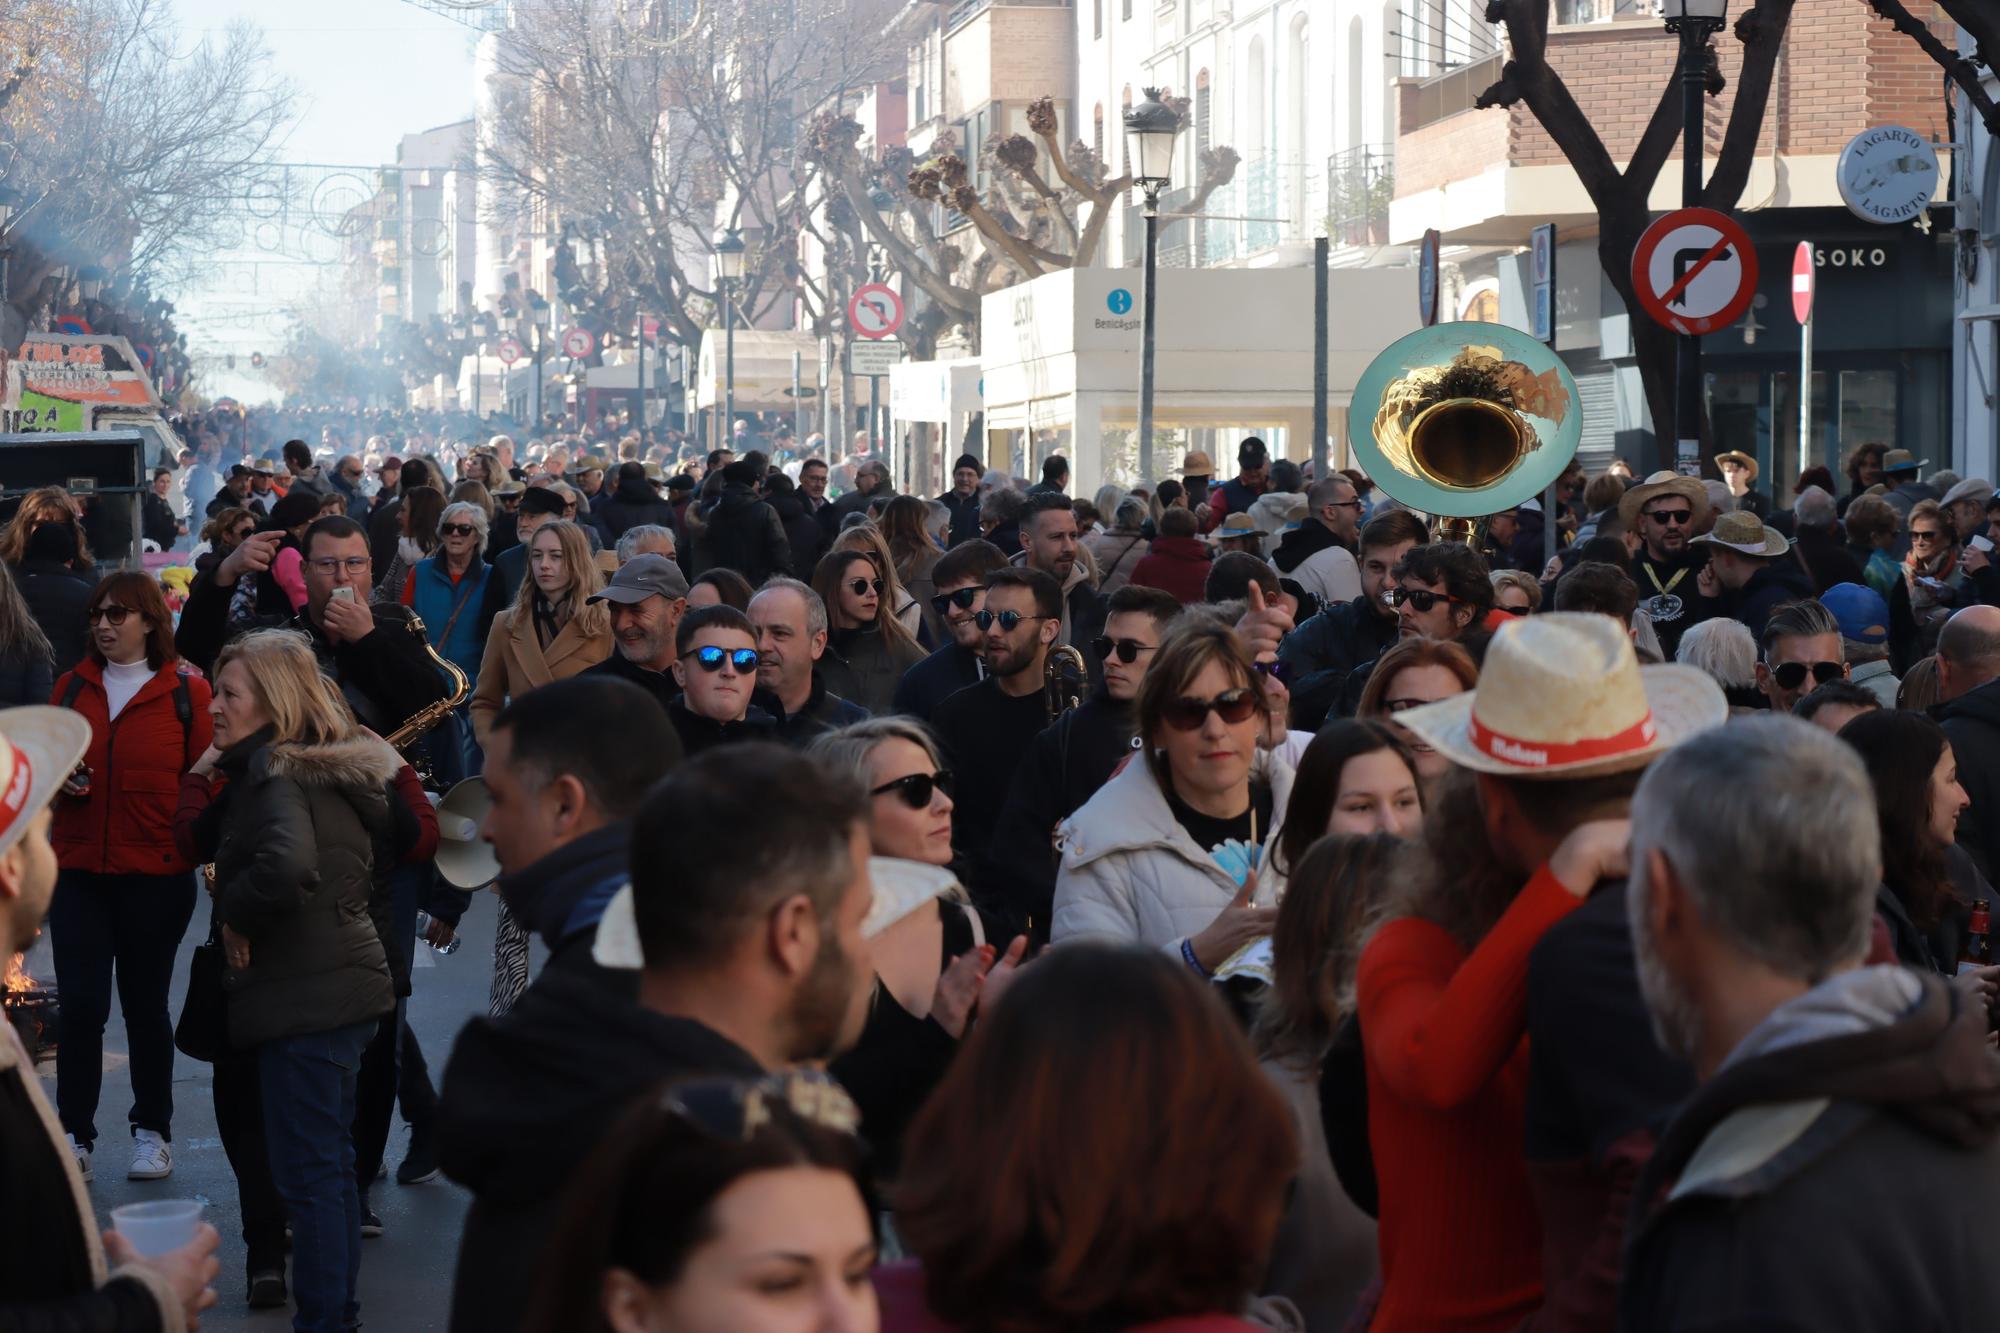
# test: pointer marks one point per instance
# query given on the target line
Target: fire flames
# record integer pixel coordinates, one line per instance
(16, 977)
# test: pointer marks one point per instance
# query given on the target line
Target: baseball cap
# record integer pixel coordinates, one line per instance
(644, 576)
(1252, 452)
(542, 500)
(39, 748)
(390, 462)
(1863, 615)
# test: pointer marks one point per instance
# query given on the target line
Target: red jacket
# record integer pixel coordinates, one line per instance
(125, 825)
(1177, 564)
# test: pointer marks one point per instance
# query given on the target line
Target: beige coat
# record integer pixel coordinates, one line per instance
(515, 663)
(15, 1065)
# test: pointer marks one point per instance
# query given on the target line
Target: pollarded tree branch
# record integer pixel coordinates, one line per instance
(1956, 67)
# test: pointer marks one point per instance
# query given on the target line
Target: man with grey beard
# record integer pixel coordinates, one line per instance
(1842, 1146)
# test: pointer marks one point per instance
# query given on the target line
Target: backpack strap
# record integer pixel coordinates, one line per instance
(71, 690)
(184, 710)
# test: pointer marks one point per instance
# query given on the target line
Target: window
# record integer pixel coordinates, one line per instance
(1126, 5)
(1096, 18)
(1097, 132)
(1202, 128)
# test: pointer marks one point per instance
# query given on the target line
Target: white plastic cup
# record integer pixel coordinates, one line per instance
(158, 1227)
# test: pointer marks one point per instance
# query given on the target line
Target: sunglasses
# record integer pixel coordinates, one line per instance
(1008, 620)
(1128, 650)
(1276, 670)
(860, 586)
(1232, 706)
(1421, 598)
(1671, 517)
(456, 529)
(963, 599)
(1793, 674)
(1916, 536)
(711, 658)
(917, 788)
(111, 615)
(1510, 610)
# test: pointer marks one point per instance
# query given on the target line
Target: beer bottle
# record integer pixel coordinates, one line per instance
(1977, 951)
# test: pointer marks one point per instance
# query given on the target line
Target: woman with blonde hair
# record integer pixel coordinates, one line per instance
(293, 834)
(867, 648)
(1515, 592)
(550, 633)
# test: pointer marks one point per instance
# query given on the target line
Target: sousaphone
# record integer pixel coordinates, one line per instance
(1465, 419)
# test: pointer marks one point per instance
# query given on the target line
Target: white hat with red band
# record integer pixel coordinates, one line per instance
(1563, 695)
(39, 747)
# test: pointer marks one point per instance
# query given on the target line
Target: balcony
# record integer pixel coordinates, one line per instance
(1361, 183)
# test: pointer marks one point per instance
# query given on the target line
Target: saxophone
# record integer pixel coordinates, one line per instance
(1064, 679)
(430, 715)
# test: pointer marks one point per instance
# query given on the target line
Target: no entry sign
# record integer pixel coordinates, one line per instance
(1695, 270)
(875, 312)
(1802, 282)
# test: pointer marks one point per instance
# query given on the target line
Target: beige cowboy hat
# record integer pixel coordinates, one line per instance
(1741, 459)
(900, 887)
(1902, 460)
(1236, 527)
(1741, 530)
(39, 748)
(1664, 483)
(1562, 695)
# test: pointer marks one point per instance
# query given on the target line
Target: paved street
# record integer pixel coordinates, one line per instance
(406, 1274)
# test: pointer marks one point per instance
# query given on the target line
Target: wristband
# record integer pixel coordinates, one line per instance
(1187, 956)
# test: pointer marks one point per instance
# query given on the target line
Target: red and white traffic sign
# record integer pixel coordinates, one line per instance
(876, 311)
(1802, 282)
(1695, 270)
(510, 350)
(577, 343)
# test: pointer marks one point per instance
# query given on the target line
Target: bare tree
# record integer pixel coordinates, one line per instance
(1023, 224)
(115, 143)
(1620, 195)
(1981, 21)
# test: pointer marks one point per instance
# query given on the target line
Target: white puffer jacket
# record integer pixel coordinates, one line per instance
(1130, 872)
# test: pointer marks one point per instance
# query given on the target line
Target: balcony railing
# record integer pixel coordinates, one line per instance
(1450, 93)
(1360, 184)
(1606, 11)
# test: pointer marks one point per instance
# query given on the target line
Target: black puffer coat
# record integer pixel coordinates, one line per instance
(294, 875)
(632, 504)
(743, 533)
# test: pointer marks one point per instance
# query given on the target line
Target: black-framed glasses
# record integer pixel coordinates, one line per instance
(111, 614)
(733, 1110)
(456, 530)
(711, 658)
(1277, 670)
(1345, 504)
(328, 566)
(1510, 610)
(1791, 675)
(917, 789)
(860, 587)
(1931, 536)
(1128, 650)
(1671, 517)
(242, 533)
(962, 598)
(1008, 620)
(1188, 714)
(1421, 598)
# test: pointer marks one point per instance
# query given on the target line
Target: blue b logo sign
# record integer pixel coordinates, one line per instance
(1119, 301)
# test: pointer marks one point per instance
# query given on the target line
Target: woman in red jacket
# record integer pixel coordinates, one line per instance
(126, 892)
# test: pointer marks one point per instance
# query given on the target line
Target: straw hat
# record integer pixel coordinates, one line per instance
(1562, 695)
(901, 887)
(1741, 530)
(1197, 464)
(1664, 483)
(39, 748)
(1236, 526)
(1741, 459)
(1902, 460)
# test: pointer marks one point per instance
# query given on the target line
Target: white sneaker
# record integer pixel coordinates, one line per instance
(151, 1158)
(82, 1155)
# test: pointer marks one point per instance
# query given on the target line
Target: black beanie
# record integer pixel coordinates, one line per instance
(967, 460)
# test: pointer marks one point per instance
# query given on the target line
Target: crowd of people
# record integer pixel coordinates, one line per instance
(1217, 905)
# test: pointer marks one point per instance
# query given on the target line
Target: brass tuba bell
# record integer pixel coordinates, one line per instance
(1465, 419)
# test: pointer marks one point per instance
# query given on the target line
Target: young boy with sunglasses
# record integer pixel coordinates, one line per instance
(717, 670)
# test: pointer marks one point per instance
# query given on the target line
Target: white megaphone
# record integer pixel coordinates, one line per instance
(464, 861)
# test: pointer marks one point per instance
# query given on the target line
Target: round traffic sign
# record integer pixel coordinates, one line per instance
(509, 350)
(1802, 282)
(876, 311)
(1695, 270)
(578, 343)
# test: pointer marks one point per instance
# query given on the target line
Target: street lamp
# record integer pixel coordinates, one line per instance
(538, 317)
(729, 250)
(1696, 21)
(1150, 129)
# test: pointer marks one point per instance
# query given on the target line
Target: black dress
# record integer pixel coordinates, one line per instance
(901, 1058)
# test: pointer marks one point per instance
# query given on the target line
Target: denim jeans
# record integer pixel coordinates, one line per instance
(130, 924)
(308, 1084)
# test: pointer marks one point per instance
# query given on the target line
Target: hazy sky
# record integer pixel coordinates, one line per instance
(366, 72)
